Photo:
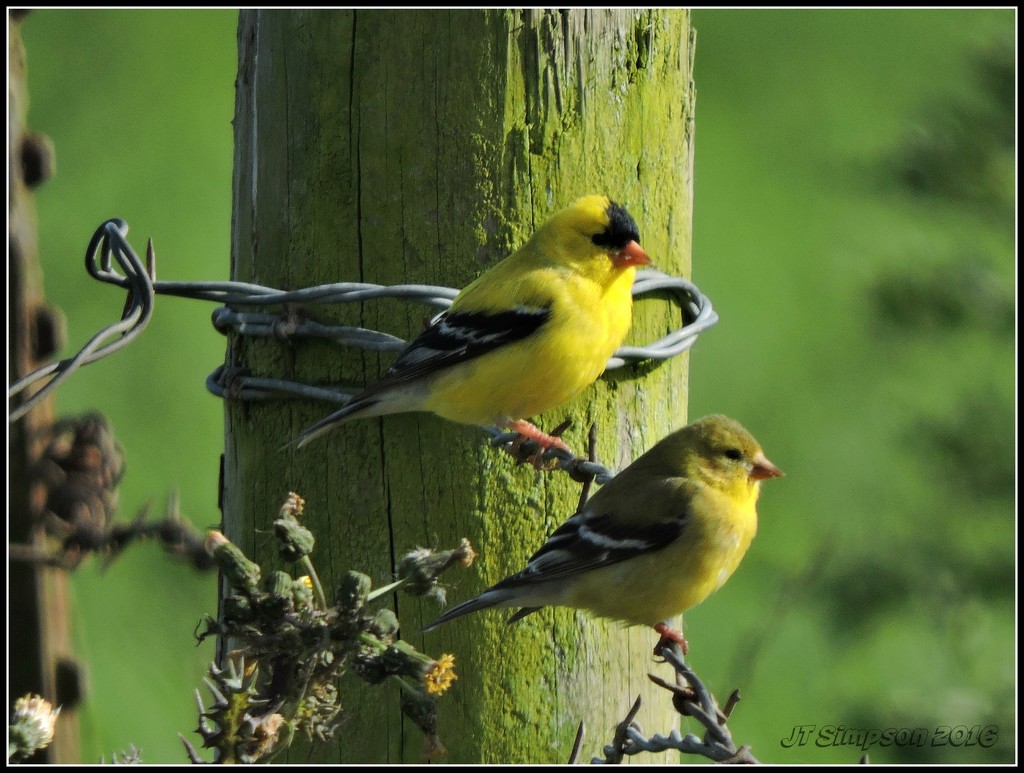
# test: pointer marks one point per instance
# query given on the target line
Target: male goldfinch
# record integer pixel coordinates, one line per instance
(660, 537)
(527, 335)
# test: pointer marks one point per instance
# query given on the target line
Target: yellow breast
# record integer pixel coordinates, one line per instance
(660, 585)
(588, 323)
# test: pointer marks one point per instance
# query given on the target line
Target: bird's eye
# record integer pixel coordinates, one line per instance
(734, 453)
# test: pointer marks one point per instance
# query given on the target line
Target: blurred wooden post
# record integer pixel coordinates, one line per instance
(40, 657)
(409, 146)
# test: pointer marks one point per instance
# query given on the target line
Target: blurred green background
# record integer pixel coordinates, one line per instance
(854, 227)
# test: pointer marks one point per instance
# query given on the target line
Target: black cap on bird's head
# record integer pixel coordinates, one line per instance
(606, 225)
(621, 229)
(621, 234)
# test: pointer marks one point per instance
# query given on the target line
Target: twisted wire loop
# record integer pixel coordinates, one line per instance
(109, 245)
(698, 314)
(696, 306)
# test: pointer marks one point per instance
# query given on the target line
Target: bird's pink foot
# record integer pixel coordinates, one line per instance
(668, 635)
(528, 431)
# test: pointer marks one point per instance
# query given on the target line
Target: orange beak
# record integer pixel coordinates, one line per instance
(762, 468)
(631, 255)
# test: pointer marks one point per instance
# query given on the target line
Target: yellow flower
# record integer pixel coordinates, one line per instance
(440, 677)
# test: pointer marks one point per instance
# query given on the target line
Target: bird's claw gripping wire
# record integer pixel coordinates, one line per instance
(528, 433)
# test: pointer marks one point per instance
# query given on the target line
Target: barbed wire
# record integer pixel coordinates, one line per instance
(691, 699)
(107, 242)
(109, 246)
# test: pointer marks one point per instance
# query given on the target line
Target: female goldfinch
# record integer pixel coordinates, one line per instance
(528, 335)
(660, 537)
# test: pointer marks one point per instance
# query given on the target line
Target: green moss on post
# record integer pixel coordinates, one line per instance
(411, 146)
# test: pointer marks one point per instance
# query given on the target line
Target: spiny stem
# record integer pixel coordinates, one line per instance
(385, 589)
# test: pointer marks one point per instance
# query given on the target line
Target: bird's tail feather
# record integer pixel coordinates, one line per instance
(352, 410)
(491, 598)
(523, 613)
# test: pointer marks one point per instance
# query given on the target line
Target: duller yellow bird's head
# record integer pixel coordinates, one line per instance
(716, 450)
(591, 229)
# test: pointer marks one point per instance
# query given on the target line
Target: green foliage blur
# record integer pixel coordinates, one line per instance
(854, 227)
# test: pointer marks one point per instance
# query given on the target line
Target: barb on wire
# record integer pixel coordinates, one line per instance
(577, 745)
(691, 699)
(617, 749)
(109, 250)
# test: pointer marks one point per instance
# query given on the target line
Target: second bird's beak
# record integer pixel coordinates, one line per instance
(762, 468)
(631, 255)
